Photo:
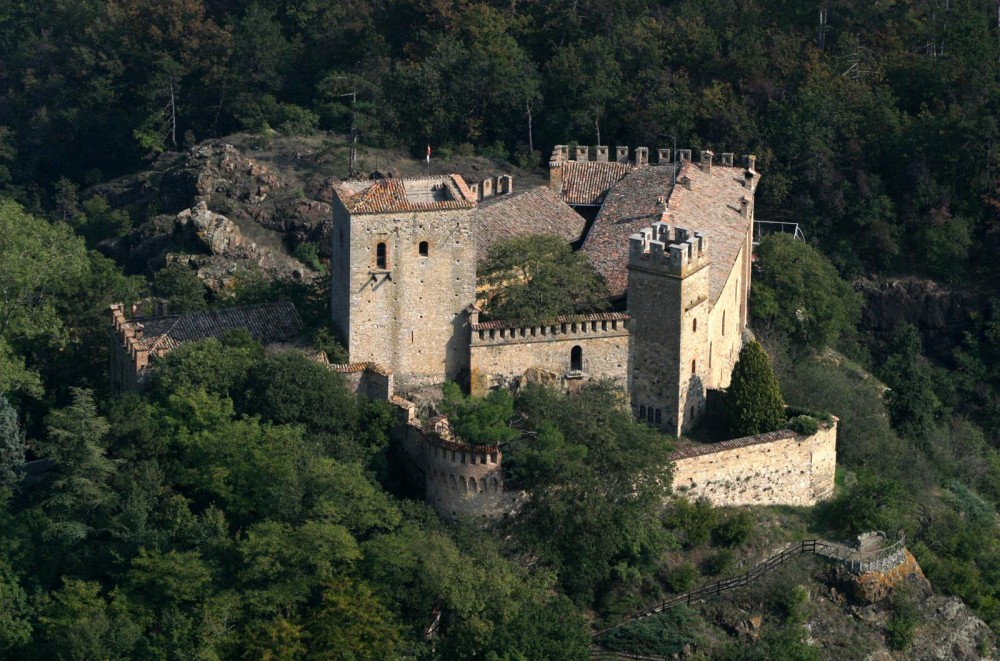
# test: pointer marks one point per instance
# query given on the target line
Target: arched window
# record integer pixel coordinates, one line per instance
(642, 411)
(425, 249)
(576, 358)
(649, 414)
(380, 259)
(694, 326)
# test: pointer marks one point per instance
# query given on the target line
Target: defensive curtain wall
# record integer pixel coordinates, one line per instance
(570, 350)
(777, 468)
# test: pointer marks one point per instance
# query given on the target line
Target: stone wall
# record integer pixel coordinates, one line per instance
(569, 351)
(461, 480)
(367, 379)
(725, 324)
(778, 468)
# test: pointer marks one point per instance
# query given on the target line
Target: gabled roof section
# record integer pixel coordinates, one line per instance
(406, 195)
(268, 323)
(588, 182)
(629, 207)
(535, 211)
(703, 200)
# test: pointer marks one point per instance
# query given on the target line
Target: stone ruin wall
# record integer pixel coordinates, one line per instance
(367, 379)
(777, 468)
(500, 357)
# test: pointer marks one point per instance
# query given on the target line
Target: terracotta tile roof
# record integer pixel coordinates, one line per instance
(629, 207)
(587, 182)
(709, 203)
(267, 323)
(535, 211)
(349, 368)
(388, 195)
(734, 444)
(565, 319)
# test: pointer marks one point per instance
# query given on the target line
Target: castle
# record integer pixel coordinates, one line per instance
(673, 242)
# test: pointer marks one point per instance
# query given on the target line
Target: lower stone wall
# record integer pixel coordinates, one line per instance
(549, 360)
(367, 379)
(778, 468)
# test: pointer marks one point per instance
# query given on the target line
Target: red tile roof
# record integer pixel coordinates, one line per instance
(388, 195)
(268, 323)
(708, 202)
(587, 182)
(535, 211)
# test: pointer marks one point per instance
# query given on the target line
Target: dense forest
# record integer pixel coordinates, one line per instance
(248, 506)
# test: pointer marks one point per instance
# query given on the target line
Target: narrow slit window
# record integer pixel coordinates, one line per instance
(380, 257)
(694, 326)
(642, 411)
(694, 365)
(424, 248)
(723, 322)
(658, 416)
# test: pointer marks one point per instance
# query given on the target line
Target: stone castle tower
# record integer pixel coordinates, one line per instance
(668, 288)
(403, 272)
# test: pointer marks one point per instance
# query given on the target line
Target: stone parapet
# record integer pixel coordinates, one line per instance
(777, 468)
(564, 328)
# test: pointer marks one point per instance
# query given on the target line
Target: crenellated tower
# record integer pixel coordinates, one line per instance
(668, 289)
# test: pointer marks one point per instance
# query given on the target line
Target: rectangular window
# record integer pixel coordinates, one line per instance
(381, 262)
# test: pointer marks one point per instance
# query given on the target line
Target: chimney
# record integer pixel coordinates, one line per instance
(641, 156)
(559, 153)
(474, 189)
(745, 206)
(706, 160)
(752, 163)
(621, 154)
(662, 156)
(684, 155)
(582, 152)
(601, 153)
(727, 159)
(487, 188)
(749, 176)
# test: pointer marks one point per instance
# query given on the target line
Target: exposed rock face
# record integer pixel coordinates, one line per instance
(219, 234)
(941, 313)
(951, 631)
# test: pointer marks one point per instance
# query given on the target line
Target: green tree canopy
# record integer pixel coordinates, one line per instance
(539, 277)
(797, 291)
(38, 259)
(754, 404)
(11, 445)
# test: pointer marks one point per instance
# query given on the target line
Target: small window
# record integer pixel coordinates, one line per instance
(723, 322)
(694, 326)
(649, 414)
(694, 365)
(658, 418)
(576, 359)
(380, 259)
(642, 411)
(425, 249)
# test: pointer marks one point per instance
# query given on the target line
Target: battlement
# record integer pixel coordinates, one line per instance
(487, 188)
(663, 246)
(569, 327)
(640, 156)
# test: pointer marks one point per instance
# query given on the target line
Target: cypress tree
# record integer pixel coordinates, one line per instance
(754, 404)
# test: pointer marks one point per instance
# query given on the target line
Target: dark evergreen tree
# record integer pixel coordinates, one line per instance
(754, 404)
(11, 444)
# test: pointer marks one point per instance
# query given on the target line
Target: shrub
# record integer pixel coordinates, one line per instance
(804, 424)
(718, 562)
(682, 578)
(693, 520)
(736, 531)
(902, 624)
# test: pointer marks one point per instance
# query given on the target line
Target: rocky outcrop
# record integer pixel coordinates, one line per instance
(941, 313)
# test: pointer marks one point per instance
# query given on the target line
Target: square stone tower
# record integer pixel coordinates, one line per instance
(403, 272)
(668, 287)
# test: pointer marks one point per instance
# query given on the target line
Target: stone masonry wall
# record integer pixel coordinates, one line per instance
(408, 317)
(501, 356)
(725, 324)
(778, 468)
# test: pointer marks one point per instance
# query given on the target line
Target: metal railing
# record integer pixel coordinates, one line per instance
(856, 561)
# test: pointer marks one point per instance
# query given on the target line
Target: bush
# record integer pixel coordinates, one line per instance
(718, 562)
(694, 521)
(682, 578)
(804, 424)
(736, 531)
(308, 255)
(902, 624)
